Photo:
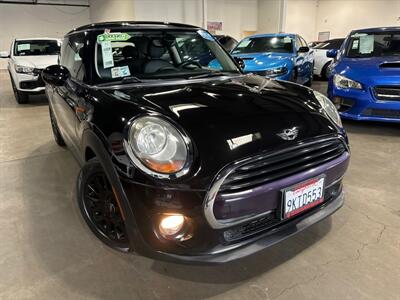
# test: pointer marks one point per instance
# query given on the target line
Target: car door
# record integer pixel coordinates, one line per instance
(66, 98)
(308, 61)
(300, 61)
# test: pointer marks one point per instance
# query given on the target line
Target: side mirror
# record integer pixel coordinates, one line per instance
(331, 53)
(303, 49)
(55, 75)
(240, 62)
(4, 54)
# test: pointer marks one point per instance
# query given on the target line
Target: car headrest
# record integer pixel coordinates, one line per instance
(156, 49)
(130, 52)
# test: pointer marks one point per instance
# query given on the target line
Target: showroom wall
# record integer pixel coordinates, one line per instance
(269, 13)
(111, 10)
(341, 16)
(180, 11)
(301, 16)
(38, 21)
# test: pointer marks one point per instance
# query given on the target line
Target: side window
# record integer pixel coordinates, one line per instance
(336, 44)
(298, 43)
(71, 56)
(303, 42)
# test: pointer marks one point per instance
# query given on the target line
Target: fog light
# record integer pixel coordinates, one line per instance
(171, 225)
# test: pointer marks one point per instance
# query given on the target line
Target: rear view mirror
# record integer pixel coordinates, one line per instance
(331, 53)
(303, 49)
(240, 62)
(55, 75)
(4, 54)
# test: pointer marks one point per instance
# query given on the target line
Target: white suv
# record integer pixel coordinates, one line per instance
(27, 58)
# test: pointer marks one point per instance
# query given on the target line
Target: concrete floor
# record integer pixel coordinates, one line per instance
(47, 252)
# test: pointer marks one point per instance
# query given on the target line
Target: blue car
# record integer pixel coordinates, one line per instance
(364, 81)
(281, 56)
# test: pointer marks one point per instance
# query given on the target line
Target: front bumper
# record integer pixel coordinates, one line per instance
(27, 83)
(363, 106)
(210, 245)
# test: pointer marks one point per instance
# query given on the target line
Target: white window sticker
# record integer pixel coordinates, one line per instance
(287, 39)
(355, 44)
(366, 44)
(108, 59)
(22, 47)
(120, 72)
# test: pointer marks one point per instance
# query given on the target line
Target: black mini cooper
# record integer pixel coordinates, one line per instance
(185, 158)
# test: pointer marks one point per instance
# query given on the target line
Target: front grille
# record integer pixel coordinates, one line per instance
(387, 93)
(282, 163)
(384, 113)
(32, 84)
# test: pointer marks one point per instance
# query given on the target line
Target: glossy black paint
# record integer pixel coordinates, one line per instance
(55, 75)
(94, 119)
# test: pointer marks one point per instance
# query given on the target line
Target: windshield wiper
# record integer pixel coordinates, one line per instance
(131, 79)
(209, 74)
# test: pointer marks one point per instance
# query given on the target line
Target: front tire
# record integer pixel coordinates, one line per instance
(99, 208)
(310, 79)
(20, 97)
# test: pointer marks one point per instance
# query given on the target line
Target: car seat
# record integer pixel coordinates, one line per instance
(155, 51)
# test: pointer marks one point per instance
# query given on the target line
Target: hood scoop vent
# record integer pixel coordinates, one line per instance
(247, 58)
(394, 64)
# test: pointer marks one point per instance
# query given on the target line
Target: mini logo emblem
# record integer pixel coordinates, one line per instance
(289, 134)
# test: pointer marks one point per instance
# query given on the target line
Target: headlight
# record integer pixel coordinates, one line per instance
(23, 69)
(342, 82)
(329, 108)
(157, 147)
(275, 71)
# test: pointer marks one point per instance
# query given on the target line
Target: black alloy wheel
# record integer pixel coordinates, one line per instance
(99, 207)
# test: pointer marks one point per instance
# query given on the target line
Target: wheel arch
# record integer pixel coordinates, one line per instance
(94, 147)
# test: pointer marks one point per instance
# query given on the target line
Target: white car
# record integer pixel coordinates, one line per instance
(26, 60)
(321, 61)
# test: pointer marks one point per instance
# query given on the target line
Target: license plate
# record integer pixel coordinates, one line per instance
(303, 196)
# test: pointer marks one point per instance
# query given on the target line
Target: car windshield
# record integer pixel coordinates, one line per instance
(373, 44)
(36, 47)
(158, 54)
(280, 44)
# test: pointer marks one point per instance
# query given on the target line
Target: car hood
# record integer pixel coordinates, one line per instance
(229, 120)
(39, 61)
(263, 61)
(371, 71)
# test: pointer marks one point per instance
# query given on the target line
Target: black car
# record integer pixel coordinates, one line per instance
(226, 41)
(182, 162)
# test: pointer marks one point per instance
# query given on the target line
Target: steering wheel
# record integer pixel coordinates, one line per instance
(188, 63)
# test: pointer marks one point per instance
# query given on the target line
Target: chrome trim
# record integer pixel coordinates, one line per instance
(208, 205)
(137, 162)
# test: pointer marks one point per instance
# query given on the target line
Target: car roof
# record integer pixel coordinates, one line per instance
(271, 34)
(132, 24)
(37, 38)
(377, 29)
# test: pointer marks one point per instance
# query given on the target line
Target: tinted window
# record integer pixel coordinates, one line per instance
(373, 44)
(36, 47)
(331, 44)
(71, 56)
(282, 44)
